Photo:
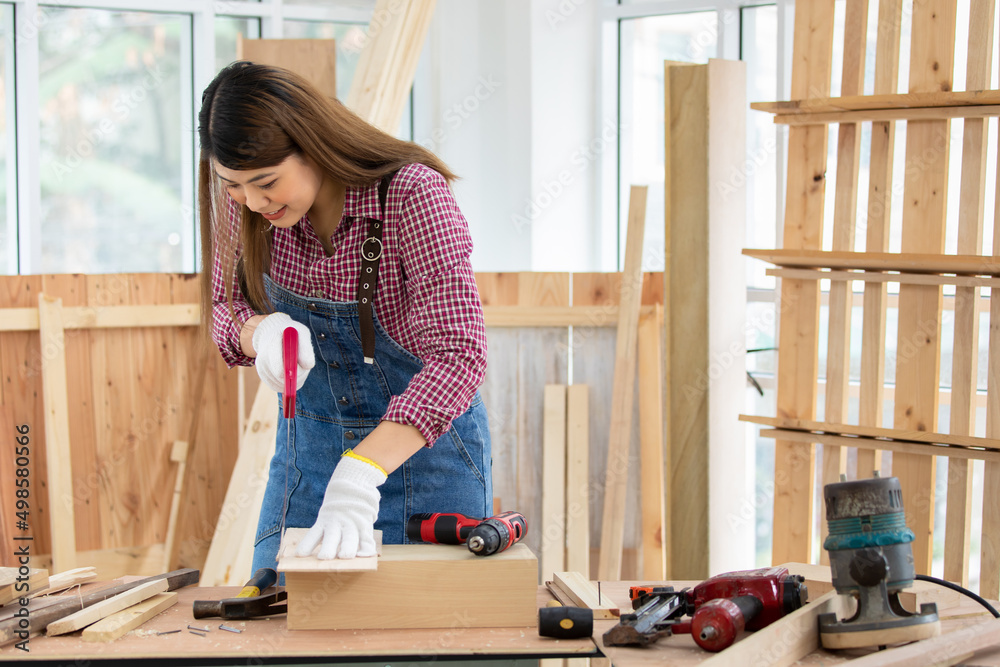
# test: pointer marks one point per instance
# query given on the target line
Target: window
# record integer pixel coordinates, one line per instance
(107, 101)
(8, 160)
(111, 99)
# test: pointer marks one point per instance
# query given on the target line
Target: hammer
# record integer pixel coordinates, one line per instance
(249, 603)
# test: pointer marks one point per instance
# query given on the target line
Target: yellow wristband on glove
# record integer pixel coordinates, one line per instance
(350, 454)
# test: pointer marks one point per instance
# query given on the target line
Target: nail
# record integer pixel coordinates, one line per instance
(167, 632)
(229, 629)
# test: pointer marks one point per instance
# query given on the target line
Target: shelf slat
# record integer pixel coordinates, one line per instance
(967, 265)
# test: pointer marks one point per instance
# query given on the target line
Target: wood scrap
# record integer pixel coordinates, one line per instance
(104, 608)
(582, 593)
(11, 629)
(63, 580)
(14, 587)
(119, 623)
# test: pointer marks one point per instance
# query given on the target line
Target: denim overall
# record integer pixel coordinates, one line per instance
(341, 402)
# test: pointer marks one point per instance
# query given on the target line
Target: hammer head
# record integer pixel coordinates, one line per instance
(235, 609)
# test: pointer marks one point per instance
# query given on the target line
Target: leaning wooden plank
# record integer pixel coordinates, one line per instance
(918, 347)
(178, 454)
(12, 629)
(904, 435)
(909, 262)
(946, 649)
(553, 553)
(786, 640)
(989, 578)
(965, 349)
(388, 62)
(799, 312)
(583, 593)
(117, 624)
(652, 482)
(241, 507)
(99, 610)
(616, 473)
(845, 206)
(57, 444)
(578, 478)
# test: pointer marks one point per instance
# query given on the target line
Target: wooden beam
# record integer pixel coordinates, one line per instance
(906, 262)
(907, 114)
(883, 139)
(903, 435)
(119, 623)
(840, 306)
(965, 349)
(883, 278)
(900, 446)
(99, 610)
(585, 594)
(107, 317)
(799, 313)
(652, 481)
(623, 384)
(553, 553)
(57, 444)
(578, 478)
(882, 100)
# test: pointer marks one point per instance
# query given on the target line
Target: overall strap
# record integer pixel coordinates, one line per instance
(371, 253)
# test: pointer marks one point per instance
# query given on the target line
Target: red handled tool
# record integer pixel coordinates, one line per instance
(290, 350)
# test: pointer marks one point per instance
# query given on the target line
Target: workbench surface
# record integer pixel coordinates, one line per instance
(268, 640)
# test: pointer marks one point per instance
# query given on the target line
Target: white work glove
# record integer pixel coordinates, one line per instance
(347, 517)
(268, 340)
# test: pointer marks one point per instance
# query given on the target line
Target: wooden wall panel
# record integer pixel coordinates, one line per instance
(21, 404)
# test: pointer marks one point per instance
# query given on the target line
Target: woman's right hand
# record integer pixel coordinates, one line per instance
(267, 342)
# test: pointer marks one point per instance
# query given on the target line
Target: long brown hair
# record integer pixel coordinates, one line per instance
(255, 116)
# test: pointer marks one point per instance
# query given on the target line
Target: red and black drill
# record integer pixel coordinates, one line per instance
(483, 537)
(720, 608)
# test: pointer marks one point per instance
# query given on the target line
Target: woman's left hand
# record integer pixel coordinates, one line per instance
(346, 521)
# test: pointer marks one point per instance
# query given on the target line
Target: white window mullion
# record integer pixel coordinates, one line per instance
(607, 193)
(729, 33)
(272, 23)
(10, 248)
(27, 23)
(172, 7)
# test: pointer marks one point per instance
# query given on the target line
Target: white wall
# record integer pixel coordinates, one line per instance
(507, 98)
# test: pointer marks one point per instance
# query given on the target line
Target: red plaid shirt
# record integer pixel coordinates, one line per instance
(426, 299)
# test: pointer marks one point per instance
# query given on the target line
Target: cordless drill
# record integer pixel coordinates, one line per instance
(483, 537)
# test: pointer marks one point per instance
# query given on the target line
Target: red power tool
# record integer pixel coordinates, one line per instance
(720, 608)
(484, 537)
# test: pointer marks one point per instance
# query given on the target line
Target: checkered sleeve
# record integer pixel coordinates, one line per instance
(445, 314)
(226, 331)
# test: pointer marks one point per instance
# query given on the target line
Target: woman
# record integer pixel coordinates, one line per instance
(313, 219)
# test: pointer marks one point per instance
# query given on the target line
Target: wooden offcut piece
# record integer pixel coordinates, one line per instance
(419, 586)
(581, 592)
(117, 624)
(314, 59)
(652, 472)
(96, 612)
(578, 478)
(63, 580)
(553, 553)
(289, 562)
(616, 473)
